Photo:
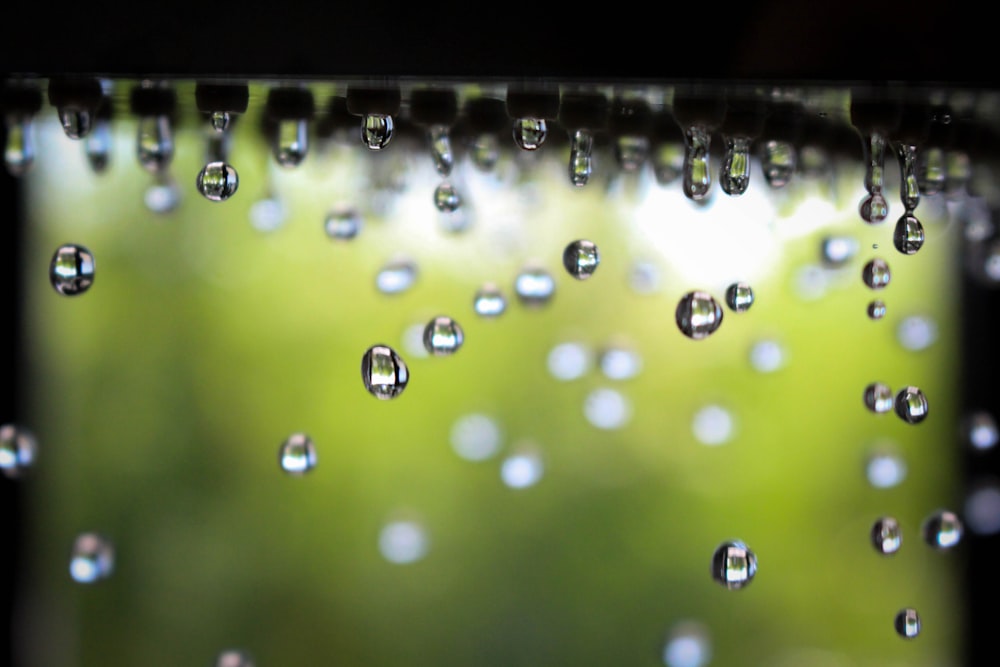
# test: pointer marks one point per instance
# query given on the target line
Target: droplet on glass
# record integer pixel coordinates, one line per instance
(342, 223)
(981, 431)
(878, 398)
(698, 315)
(876, 273)
(489, 301)
(581, 259)
(376, 131)
(297, 454)
(291, 144)
(403, 542)
(397, 276)
(446, 198)
(534, 286)
(607, 409)
(17, 450)
(907, 623)
(734, 565)
(155, 143)
(234, 658)
(384, 372)
(943, 530)
(908, 236)
(739, 297)
(568, 361)
(443, 336)
(72, 270)
(92, 559)
(911, 405)
(529, 133)
(475, 437)
(217, 181)
(876, 309)
(886, 536)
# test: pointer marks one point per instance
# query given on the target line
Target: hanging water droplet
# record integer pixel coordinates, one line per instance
(98, 146)
(876, 274)
(911, 405)
(297, 454)
(403, 542)
(909, 190)
(631, 152)
(522, 469)
(489, 301)
(443, 336)
(581, 160)
(697, 174)
(92, 559)
(739, 297)
(17, 450)
(886, 536)
(734, 175)
(876, 309)
(943, 530)
(234, 658)
(397, 276)
(475, 437)
(885, 469)
(734, 565)
(291, 142)
(342, 223)
(687, 646)
(931, 170)
(908, 236)
(76, 121)
(698, 315)
(485, 151)
(778, 163)
(529, 133)
(958, 172)
(384, 372)
(19, 151)
(907, 623)
(446, 198)
(878, 398)
(441, 151)
(581, 258)
(220, 120)
(72, 270)
(163, 196)
(534, 286)
(981, 431)
(217, 181)
(155, 143)
(376, 130)
(838, 250)
(874, 208)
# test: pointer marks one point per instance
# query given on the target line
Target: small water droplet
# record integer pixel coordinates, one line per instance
(76, 122)
(981, 431)
(876, 309)
(72, 270)
(739, 297)
(734, 174)
(838, 250)
(712, 425)
(878, 398)
(534, 286)
(384, 372)
(607, 409)
(734, 565)
(446, 197)
(874, 208)
(908, 237)
(911, 405)
(444, 158)
(98, 146)
(522, 469)
(443, 336)
(529, 133)
(581, 259)
(403, 542)
(19, 151)
(397, 276)
(17, 450)
(376, 130)
(342, 223)
(876, 273)
(155, 143)
(907, 623)
(568, 361)
(485, 152)
(581, 159)
(778, 163)
(297, 454)
(220, 120)
(885, 469)
(631, 152)
(217, 181)
(92, 559)
(943, 530)
(886, 536)
(489, 301)
(698, 315)
(475, 437)
(697, 174)
(687, 646)
(291, 143)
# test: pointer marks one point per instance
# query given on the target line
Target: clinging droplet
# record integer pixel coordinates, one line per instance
(886, 536)
(874, 208)
(734, 174)
(76, 121)
(529, 133)
(698, 315)
(17, 450)
(697, 175)
(384, 372)
(734, 565)
(907, 623)
(291, 143)
(217, 181)
(297, 454)
(72, 270)
(376, 130)
(581, 259)
(92, 559)
(443, 336)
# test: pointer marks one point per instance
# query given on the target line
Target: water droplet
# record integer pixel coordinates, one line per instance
(397, 276)
(475, 437)
(217, 181)
(163, 196)
(878, 398)
(982, 509)
(267, 215)
(19, 151)
(443, 336)
(876, 273)
(778, 163)
(17, 450)
(376, 130)
(98, 146)
(767, 356)
(838, 250)
(581, 160)
(908, 237)
(155, 143)
(739, 297)
(72, 270)
(76, 122)
(958, 172)
(631, 152)
(446, 198)
(220, 120)
(874, 208)
(876, 309)
(529, 133)
(581, 258)
(911, 405)
(441, 151)
(92, 559)
(931, 170)
(712, 425)
(917, 332)
(489, 301)
(909, 190)
(620, 363)
(734, 565)
(907, 623)
(297, 454)
(568, 361)
(607, 409)
(485, 152)
(668, 163)
(886, 536)
(403, 542)
(885, 469)
(522, 469)
(534, 286)
(734, 175)
(687, 646)
(384, 372)
(697, 174)
(291, 143)
(698, 315)
(943, 530)
(342, 223)
(981, 431)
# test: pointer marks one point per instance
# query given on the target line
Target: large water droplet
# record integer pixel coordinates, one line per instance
(698, 315)
(342, 223)
(739, 297)
(297, 454)
(92, 559)
(443, 336)
(687, 646)
(397, 276)
(475, 437)
(886, 535)
(778, 163)
(534, 286)
(734, 174)
(878, 397)
(734, 565)
(234, 658)
(19, 151)
(908, 237)
(446, 197)
(529, 133)
(444, 158)
(568, 361)
(76, 122)
(489, 301)
(155, 143)
(981, 431)
(874, 208)
(384, 372)
(291, 143)
(911, 405)
(876, 273)
(943, 530)
(17, 450)
(907, 623)
(217, 181)
(581, 258)
(697, 174)
(376, 130)
(72, 270)
(581, 160)
(876, 309)
(403, 542)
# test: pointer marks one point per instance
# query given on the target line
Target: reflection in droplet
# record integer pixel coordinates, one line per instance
(446, 198)
(529, 133)
(568, 361)
(92, 559)
(767, 356)
(698, 315)
(908, 237)
(620, 363)
(76, 122)
(911, 405)
(297, 454)
(981, 431)
(917, 332)
(943, 530)
(342, 223)
(71, 271)
(217, 181)
(687, 646)
(907, 623)
(607, 409)
(397, 276)
(885, 469)
(17, 450)
(475, 437)
(403, 542)
(581, 259)
(876, 274)
(734, 565)
(877, 309)
(739, 297)
(443, 336)
(155, 143)
(712, 425)
(376, 131)
(886, 536)
(878, 397)
(534, 286)
(384, 372)
(522, 469)
(489, 301)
